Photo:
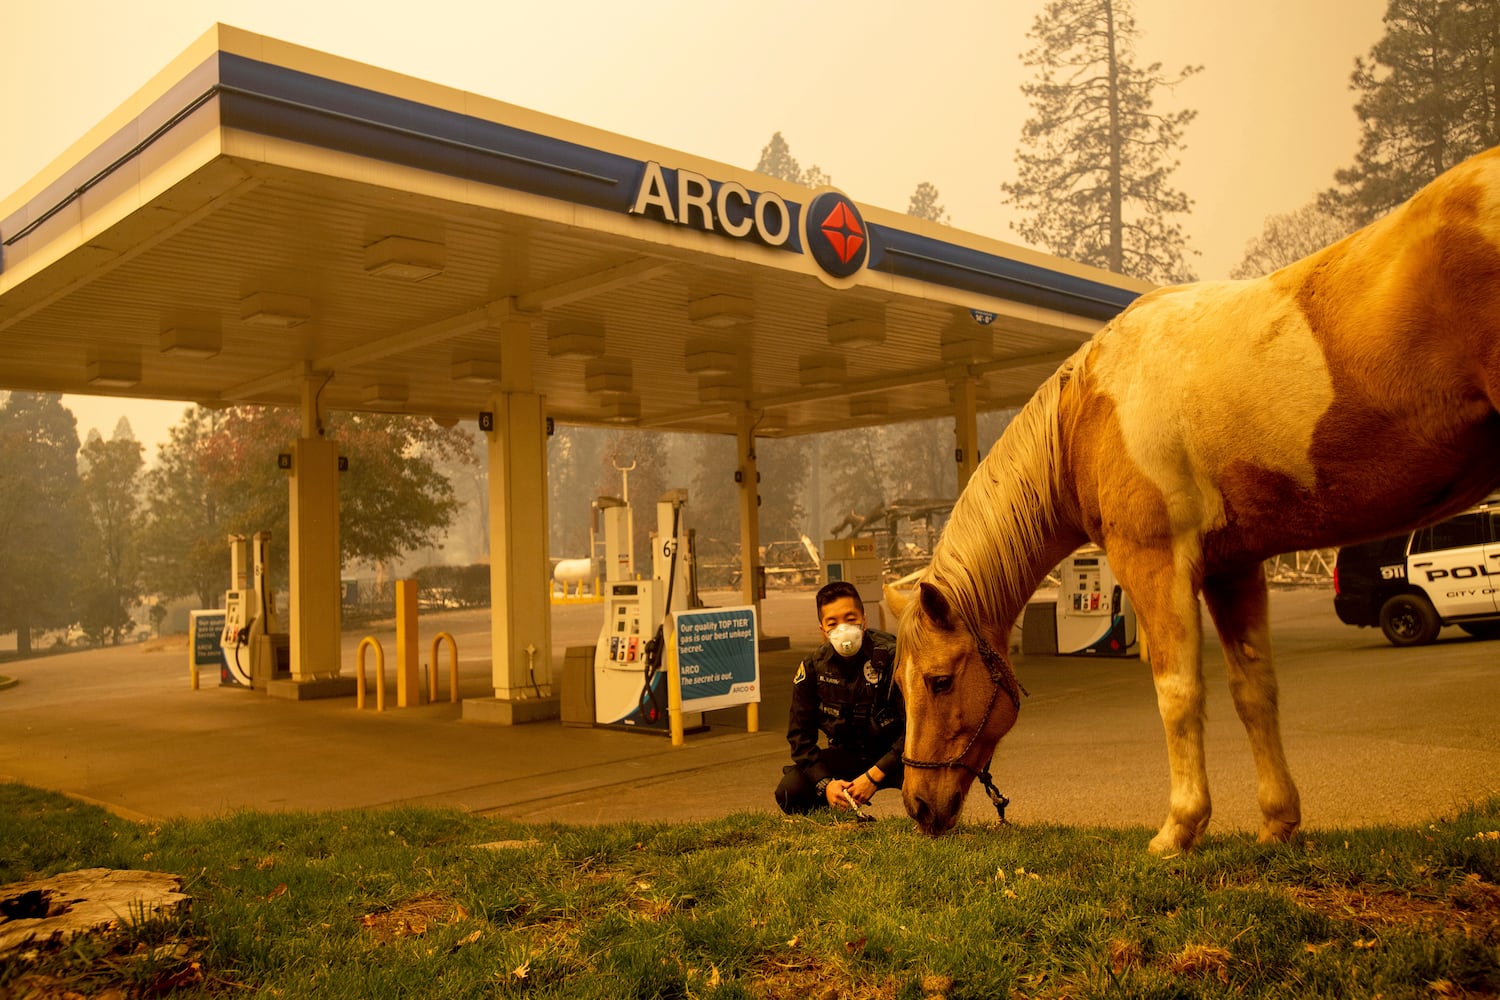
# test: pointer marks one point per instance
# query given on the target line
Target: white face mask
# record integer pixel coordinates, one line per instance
(846, 638)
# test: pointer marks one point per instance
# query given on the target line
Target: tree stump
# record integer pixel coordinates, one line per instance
(44, 911)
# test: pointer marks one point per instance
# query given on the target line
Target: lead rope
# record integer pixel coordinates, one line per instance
(997, 797)
(990, 657)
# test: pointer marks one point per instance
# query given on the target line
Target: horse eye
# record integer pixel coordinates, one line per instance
(941, 684)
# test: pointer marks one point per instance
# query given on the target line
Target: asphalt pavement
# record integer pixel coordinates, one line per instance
(1374, 734)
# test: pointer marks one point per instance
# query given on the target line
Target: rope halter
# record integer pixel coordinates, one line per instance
(1003, 677)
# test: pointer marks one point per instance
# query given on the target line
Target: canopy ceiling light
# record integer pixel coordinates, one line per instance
(710, 356)
(622, 408)
(105, 373)
(185, 342)
(822, 369)
(482, 370)
(856, 333)
(720, 388)
(771, 423)
(274, 309)
(608, 374)
(384, 396)
(966, 344)
(405, 258)
(572, 339)
(720, 311)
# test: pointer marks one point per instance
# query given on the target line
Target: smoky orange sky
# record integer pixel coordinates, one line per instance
(881, 95)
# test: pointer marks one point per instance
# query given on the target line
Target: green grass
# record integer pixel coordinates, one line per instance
(426, 903)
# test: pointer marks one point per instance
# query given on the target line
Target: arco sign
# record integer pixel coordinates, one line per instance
(714, 206)
(828, 228)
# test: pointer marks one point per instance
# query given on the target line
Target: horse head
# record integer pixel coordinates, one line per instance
(961, 698)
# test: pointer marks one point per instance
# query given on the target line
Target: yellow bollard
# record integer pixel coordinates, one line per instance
(359, 681)
(674, 689)
(408, 684)
(452, 668)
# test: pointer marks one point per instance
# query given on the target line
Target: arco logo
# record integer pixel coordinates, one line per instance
(836, 235)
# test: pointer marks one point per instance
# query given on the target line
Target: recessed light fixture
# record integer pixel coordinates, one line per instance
(720, 388)
(405, 258)
(476, 370)
(107, 374)
(274, 309)
(608, 374)
(822, 369)
(573, 339)
(771, 423)
(965, 344)
(710, 356)
(856, 333)
(721, 311)
(186, 342)
(621, 409)
(385, 396)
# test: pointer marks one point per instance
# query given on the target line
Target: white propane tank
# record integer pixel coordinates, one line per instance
(572, 572)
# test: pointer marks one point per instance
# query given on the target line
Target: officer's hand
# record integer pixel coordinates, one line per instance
(835, 794)
(862, 788)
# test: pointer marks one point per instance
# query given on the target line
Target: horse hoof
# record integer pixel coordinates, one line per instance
(1172, 840)
(1278, 831)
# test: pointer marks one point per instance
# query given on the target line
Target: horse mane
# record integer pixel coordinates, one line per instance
(1005, 517)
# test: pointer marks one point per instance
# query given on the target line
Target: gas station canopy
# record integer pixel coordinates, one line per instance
(261, 217)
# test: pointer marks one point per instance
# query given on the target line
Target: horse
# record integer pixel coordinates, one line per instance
(1204, 429)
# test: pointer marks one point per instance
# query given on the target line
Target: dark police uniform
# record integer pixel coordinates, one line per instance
(856, 704)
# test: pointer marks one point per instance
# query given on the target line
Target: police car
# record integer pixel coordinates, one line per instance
(1412, 585)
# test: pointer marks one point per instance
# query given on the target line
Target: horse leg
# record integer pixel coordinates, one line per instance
(1166, 606)
(1238, 603)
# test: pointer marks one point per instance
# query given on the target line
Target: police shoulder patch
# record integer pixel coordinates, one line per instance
(801, 673)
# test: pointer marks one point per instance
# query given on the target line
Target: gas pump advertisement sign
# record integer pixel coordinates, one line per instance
(207, 653)
(718, 658)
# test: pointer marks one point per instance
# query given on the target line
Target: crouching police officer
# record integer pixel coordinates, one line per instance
(845, 690)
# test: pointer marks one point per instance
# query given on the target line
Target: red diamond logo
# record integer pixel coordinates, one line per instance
(843, 232)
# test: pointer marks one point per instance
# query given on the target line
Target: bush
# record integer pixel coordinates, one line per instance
(462, 586)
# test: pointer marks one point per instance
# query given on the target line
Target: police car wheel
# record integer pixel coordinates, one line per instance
(1409, 620)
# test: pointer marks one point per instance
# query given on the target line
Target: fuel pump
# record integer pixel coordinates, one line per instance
(1094, 617)
(254, 646)
(630, 685)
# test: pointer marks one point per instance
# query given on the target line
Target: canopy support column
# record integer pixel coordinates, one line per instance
(964, 392)
(520, 580)
(313, 564)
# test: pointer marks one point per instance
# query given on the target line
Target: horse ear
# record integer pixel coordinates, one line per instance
(934, 603)
(895, 600)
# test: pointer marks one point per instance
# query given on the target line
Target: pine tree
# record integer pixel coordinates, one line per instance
(1096, 159)
(1429, 98)
(39, 523)
(925, 205)
(776, 159)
